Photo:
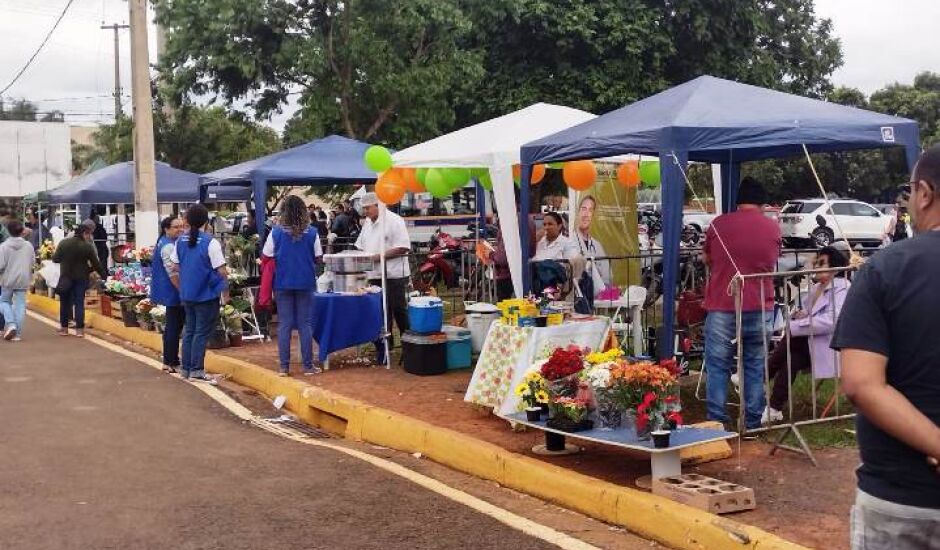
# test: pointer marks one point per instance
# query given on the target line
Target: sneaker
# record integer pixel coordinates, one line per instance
(736, 381)
(62, 332)
(204, 379)
(9, 333)
(283, 374)
(770, 416)
(169, 369)
(79, 333)
(314, 370)
(16, 339)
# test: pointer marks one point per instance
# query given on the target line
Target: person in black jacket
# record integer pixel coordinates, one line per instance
(100, 237)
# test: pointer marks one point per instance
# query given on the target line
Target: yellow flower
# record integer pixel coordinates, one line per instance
(522, 389)
(541, 396)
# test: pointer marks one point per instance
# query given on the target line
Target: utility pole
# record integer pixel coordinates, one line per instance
(146, 219)
(118, 112)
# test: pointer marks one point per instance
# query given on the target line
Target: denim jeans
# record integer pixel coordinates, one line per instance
(294, 312)
(13, 307)
(175, 319)
(720, 349)
(201, 319)
(71, 300)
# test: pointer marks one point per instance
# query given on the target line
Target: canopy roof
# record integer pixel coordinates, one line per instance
(114, 184)
(721, 121)
(494, 142)
(328, 161)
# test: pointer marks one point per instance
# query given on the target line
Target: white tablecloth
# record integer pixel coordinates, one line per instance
(509, 351)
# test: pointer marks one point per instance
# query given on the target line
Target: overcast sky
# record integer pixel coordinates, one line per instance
(883, 42)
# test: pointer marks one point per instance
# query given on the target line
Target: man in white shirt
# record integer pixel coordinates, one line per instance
(396, 244)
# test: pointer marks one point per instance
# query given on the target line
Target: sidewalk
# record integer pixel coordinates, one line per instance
(651, 516)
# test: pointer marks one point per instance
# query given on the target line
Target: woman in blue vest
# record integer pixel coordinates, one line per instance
(164, 293)
(294, 245)
(202, 282)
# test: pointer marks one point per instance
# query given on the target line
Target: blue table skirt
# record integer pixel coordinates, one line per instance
(342, 321)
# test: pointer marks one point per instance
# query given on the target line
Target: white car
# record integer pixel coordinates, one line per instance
(807, 220)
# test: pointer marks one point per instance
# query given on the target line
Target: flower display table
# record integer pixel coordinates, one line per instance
(510, 350)
(665, 462)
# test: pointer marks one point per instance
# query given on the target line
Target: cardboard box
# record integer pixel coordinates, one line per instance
(706, 493)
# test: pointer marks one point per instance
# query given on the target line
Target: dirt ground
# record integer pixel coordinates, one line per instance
(797, 501)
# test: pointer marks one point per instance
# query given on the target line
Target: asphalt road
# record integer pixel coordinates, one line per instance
(100, 452)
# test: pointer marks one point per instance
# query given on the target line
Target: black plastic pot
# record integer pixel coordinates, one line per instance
(533, 414)
(661, 439)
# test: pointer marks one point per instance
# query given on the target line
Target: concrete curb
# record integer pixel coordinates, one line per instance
(648, 515)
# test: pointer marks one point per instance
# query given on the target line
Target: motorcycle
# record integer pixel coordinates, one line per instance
(443, 264)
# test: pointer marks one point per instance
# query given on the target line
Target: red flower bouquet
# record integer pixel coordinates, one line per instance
(562, 363)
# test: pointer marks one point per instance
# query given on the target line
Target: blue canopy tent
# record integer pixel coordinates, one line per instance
(717, 121)
(114, 184)
(333, 160)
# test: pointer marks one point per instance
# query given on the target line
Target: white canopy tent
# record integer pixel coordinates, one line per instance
(495, 144)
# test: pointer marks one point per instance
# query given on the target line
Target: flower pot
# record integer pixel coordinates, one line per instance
(128, 315)
(609, 416)
(566, 424)
(145, 324)
(105, 305)
(159, 326)
(541, 321)
(544, 408)
(235, 340)
(533, 414)
(661, 439)
(554, 442)
(218, 339)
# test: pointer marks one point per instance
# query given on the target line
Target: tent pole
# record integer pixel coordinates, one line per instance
(385, 327)
(259, 187)
(524, 201)
(671, 166)
(730, 180)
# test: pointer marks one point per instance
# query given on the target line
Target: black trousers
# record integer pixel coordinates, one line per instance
(396, 307)
(504, 289)
(800, 361)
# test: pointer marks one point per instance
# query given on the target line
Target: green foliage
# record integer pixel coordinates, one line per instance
(198, 139)
(370, 69)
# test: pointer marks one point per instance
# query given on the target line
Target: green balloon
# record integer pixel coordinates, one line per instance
(485, 181)
(456, 177)
(556, 165)
(378, 159)
(478, 172)
(649, 173)
(435, 183)
(421, 174)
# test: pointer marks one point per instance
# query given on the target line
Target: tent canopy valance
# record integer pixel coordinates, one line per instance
(495, 144)
(114, 184)
(718, 121)
(333, 160)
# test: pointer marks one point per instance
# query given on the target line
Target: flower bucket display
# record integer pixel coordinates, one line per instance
(128, 312)
(570, 414)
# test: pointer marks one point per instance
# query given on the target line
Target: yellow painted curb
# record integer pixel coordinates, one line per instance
(651, 516)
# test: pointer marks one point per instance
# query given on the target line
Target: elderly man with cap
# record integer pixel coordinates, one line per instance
(386, 231)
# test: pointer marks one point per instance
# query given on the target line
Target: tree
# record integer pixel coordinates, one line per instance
(53, 116)
(376, 70)
(920, 101)
(198, 139)
(599, 55)
(19, 109)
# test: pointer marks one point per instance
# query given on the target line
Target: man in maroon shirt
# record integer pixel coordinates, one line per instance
(745, 242)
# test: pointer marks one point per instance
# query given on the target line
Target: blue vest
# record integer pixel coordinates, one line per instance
(294, 260)
(198, 281)
(162, 290)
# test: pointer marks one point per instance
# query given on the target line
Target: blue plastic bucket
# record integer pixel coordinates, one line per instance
(426, 315)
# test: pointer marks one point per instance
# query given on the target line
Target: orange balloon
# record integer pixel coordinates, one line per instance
(579, 174)
(628, 173)
(389, 187)
(538, 173)
(409, 179)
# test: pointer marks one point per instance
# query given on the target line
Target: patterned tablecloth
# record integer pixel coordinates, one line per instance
(509, 351)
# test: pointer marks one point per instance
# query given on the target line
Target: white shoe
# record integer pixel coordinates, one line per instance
(770, 416)
(9, 333)
(736, 381)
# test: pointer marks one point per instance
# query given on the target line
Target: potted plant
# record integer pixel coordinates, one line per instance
(143, 309)
(158, 314)
(534, 394)
(129, 312)
(648, 393)
(561, 371)
(144, 255)
(232, 317)
(570, 414)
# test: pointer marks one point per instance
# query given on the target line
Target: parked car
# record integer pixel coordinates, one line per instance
(807, 221)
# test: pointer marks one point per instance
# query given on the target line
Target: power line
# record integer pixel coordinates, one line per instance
(39, 49)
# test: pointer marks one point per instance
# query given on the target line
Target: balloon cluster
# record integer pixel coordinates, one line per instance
(580, 175)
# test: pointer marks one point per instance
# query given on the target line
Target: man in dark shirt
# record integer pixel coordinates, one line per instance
(746, 242)
(891, 372)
